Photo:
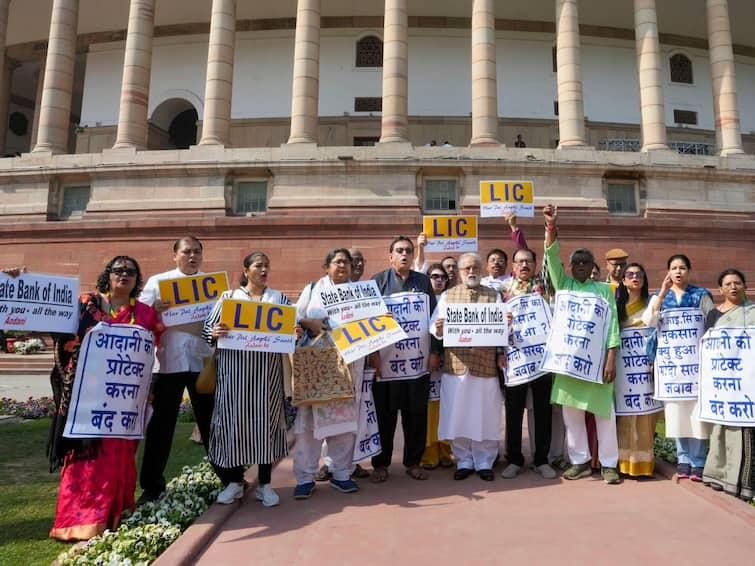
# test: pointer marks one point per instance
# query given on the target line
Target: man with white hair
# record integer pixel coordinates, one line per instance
(470, 400)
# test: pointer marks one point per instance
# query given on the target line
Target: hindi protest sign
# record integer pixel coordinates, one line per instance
(498, 198)
(191, 298)
(530, 326)
(576, 345)
(633, 392)
(408, 358)
(435, 380)
(677, 359)
(727, 376)
(367, 442)
(260, 327)
(37, 302)
(359, 338)
(111, 387)
(450, 233)
(475, 324)
(351, 301)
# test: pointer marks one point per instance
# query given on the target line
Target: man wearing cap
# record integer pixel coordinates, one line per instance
(616, 261)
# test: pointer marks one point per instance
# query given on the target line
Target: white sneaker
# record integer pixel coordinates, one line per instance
(232, 492)
(546, 471)
(510, 471)
(267, 495)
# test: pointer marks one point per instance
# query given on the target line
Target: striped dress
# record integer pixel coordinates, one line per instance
(248, 423)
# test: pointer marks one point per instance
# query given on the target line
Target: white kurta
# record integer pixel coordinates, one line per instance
(470, 407)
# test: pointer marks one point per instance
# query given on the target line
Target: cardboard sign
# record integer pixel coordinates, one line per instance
(359, 338)
(260, 327)
(450, 233)
(497, 198)
(351, 301)
(633, 392)
(677, 359)
(530, 327)
(408, 359)
(192, 297)
(476, 324)
(43, 303)
(112, 382)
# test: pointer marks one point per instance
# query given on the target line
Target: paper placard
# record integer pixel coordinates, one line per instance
(576, 345)
(38, 302)
(111, 387)
(367, 442)
(351, 301)
(498, 198)
(450, 233)
(727, 376)
(359, 338)
(192, 297)
(475, 324)
(530, 327)
(677, 359)
(633, 393)
(407, 359)
(260, 327)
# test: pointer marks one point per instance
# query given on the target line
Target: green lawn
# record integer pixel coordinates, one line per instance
(28, 491)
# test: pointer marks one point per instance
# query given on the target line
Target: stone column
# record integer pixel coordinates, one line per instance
(650, 72)
(216, 123)
(137, 64)
(484, 74)
(395, 121)
(55, 108)
(725, 106)
(571, 111)
(306, 85)
(37, 103)
(5, 75)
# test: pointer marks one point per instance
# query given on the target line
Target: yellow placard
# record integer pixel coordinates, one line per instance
(193, 289)
(251, 316)
(347, 335)
(512, 192)
(449, 226)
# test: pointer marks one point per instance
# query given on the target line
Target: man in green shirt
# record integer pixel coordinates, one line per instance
(575, 395)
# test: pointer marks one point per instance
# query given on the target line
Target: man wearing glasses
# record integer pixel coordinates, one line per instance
(410, 395)
(616, 262)
(179, 359)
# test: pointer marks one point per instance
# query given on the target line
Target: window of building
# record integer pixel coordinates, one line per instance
(251, 197)
(681, 69)
(369, 52)
(440, 195)
(368, 104)
(75, 201)
(365, 141)
(685, 117)
(621, 197)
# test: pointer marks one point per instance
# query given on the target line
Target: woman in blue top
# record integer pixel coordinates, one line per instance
(681, 416)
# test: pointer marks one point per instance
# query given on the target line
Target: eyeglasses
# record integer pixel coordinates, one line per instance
(400, 251)
(521, 261)
(128, 271)
(438, 276)
(340, 262)
(634, 274)
(617, 263)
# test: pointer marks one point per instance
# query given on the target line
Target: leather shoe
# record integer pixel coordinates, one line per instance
(462, 473)
(486, 475)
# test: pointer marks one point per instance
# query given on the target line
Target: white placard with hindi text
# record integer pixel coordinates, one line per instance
(530, 327)
(408, 358)
(677, 358)
(38, 302)
(111, 387)
(633, 392)
(475, 324)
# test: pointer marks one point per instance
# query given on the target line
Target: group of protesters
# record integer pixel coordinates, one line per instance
(451, 413)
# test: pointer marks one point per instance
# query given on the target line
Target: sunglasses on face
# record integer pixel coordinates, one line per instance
(438, 276)
(128, 271)
(634, 274)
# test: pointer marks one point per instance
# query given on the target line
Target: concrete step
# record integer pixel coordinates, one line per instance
(40, 362)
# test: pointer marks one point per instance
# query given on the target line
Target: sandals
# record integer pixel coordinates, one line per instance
(379, 474)
(417, 473)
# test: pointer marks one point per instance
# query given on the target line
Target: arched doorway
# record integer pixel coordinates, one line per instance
(173, 125)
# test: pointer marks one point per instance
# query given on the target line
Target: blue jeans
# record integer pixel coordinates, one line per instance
(691, 451)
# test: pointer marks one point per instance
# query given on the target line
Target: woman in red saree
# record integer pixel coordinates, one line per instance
(98, 475)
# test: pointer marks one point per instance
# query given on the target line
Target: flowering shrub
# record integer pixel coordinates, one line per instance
(28, 346)
(30, 409)
(154, 526)
(665, 449)
(185, 412)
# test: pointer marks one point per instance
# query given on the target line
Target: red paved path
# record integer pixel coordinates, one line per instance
(527, 520)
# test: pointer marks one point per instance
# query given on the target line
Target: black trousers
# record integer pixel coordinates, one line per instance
(168, 389)
(515, 401)
(409, 397)
(236, 474)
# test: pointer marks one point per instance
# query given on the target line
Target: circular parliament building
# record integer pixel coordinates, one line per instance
(294, 127)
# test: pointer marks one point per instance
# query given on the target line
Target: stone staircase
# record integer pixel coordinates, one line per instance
(40, 363)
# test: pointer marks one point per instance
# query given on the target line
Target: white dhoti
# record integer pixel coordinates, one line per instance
(471, 410)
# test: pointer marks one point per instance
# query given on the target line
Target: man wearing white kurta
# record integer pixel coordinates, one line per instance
(470, 397)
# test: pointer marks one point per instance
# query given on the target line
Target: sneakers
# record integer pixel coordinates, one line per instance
(267, 495)
(610, 475)
(304, 490)
(696, 475)
(232, 492)
(683, 471)
(546, 471)
(344, 486)
(510, 471)
(576, 471)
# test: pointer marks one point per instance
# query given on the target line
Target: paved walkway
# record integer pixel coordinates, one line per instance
(527, 520)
